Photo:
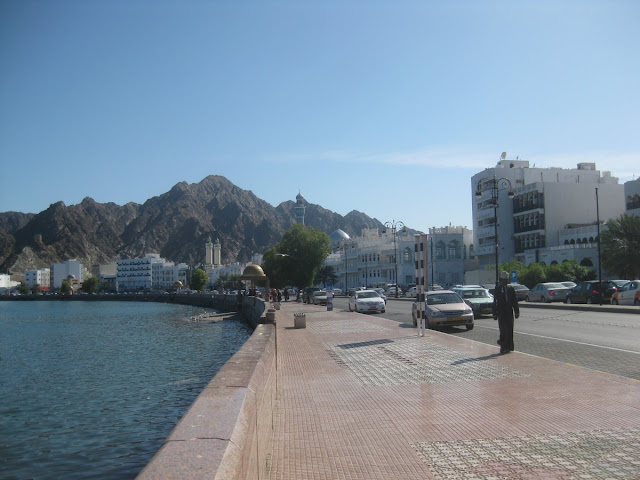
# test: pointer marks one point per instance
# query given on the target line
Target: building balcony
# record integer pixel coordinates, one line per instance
(539, 204)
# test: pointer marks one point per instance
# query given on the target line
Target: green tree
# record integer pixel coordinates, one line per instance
(65, 287)
(199, 279)
(620, 245)
(36, 288)
(297, 257)
(24, 289)
(90, 285)
(324, 274)
(532, 274)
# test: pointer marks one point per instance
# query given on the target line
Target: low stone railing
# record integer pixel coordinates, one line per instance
(227, 432)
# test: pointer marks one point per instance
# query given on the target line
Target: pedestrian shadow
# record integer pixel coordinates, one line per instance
(477, 359)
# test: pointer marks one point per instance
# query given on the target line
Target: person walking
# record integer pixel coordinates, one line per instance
(505, 308)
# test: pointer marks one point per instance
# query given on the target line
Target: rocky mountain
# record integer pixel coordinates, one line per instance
(175, 224)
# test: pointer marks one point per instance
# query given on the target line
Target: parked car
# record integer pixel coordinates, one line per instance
(307, 296)
(337, 291)
(319, 297)
(366, 301)
(478, 298)
(443, 308)
(569, 284)
(619, 283)
(592, 292)
(629, 294)
(381, 293)
(391, 291)
(521, 291)
(411, 293)
(548, 292)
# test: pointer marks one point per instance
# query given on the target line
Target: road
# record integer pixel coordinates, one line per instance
(604, 341)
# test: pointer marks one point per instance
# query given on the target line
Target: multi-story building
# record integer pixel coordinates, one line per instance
(370, 259)
(63, 271)
(632, 197)
(149, 272)
(452, 255)
(545, 202)
(41, 277)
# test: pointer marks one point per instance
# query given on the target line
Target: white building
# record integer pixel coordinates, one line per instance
(370, 259)
(62, 271)
(632, 197)
(41, 277)
(149, 272)
(452, 255)
(545, 201)
(6, 283)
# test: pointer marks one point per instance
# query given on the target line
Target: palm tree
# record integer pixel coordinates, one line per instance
(621, 246)
(326, 273)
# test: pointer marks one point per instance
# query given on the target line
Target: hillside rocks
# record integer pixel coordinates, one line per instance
(175, 224)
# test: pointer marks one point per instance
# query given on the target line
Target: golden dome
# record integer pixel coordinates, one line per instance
(253, 271)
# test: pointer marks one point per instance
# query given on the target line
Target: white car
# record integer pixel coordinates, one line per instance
(366, 301)
(319, 297)
(411, 293)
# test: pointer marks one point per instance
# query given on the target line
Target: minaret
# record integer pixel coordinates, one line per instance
(299, 209)
(217, 253)
(209, 252)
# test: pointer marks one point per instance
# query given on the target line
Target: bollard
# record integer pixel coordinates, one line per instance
(299, 320)
(271, 316)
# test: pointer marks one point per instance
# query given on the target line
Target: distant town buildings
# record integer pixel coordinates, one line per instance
(150, 272)
(40, 277)
(69, 269)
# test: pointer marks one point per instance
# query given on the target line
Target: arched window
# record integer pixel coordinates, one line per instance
(454, 250)
(573, 242)
(591, 240)
(440, 250)
(554, 262)
(584, 240)
(579, 242)
(586, 262)
(406, 255)
(566, 242)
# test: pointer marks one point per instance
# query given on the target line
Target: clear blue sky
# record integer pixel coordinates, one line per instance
(386, 107)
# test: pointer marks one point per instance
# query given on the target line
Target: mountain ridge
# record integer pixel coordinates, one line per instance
(176, 224)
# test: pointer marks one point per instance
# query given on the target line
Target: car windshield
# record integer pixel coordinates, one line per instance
(368, 295)
(520, 287)
(319, 294)
(379, 291)
(620, 283)
(479, 293)
(554, 285)
(442, 298)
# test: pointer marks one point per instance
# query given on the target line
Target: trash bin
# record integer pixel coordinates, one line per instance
(299, 320)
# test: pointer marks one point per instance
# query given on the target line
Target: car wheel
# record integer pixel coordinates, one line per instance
(383, 310)
(470, 327)
(614, 301)
(589, 300)
(527, 298)
(636, 302)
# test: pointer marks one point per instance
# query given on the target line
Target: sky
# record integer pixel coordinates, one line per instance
(385, 107)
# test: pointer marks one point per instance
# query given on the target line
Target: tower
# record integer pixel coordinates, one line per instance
(217, 253)
(209, 252)
(299, 209)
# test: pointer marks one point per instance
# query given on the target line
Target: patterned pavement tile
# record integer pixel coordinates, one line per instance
(602, 454)
(323, 327)
(414, 360)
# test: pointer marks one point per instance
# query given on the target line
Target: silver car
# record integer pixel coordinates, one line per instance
(444, 308)
(548, 292)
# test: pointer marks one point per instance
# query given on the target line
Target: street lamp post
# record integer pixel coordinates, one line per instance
(494, 185)
(394, 225)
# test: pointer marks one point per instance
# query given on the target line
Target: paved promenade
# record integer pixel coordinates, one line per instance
(362, 397)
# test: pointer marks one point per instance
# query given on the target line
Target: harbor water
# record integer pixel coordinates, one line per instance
(92, 389)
